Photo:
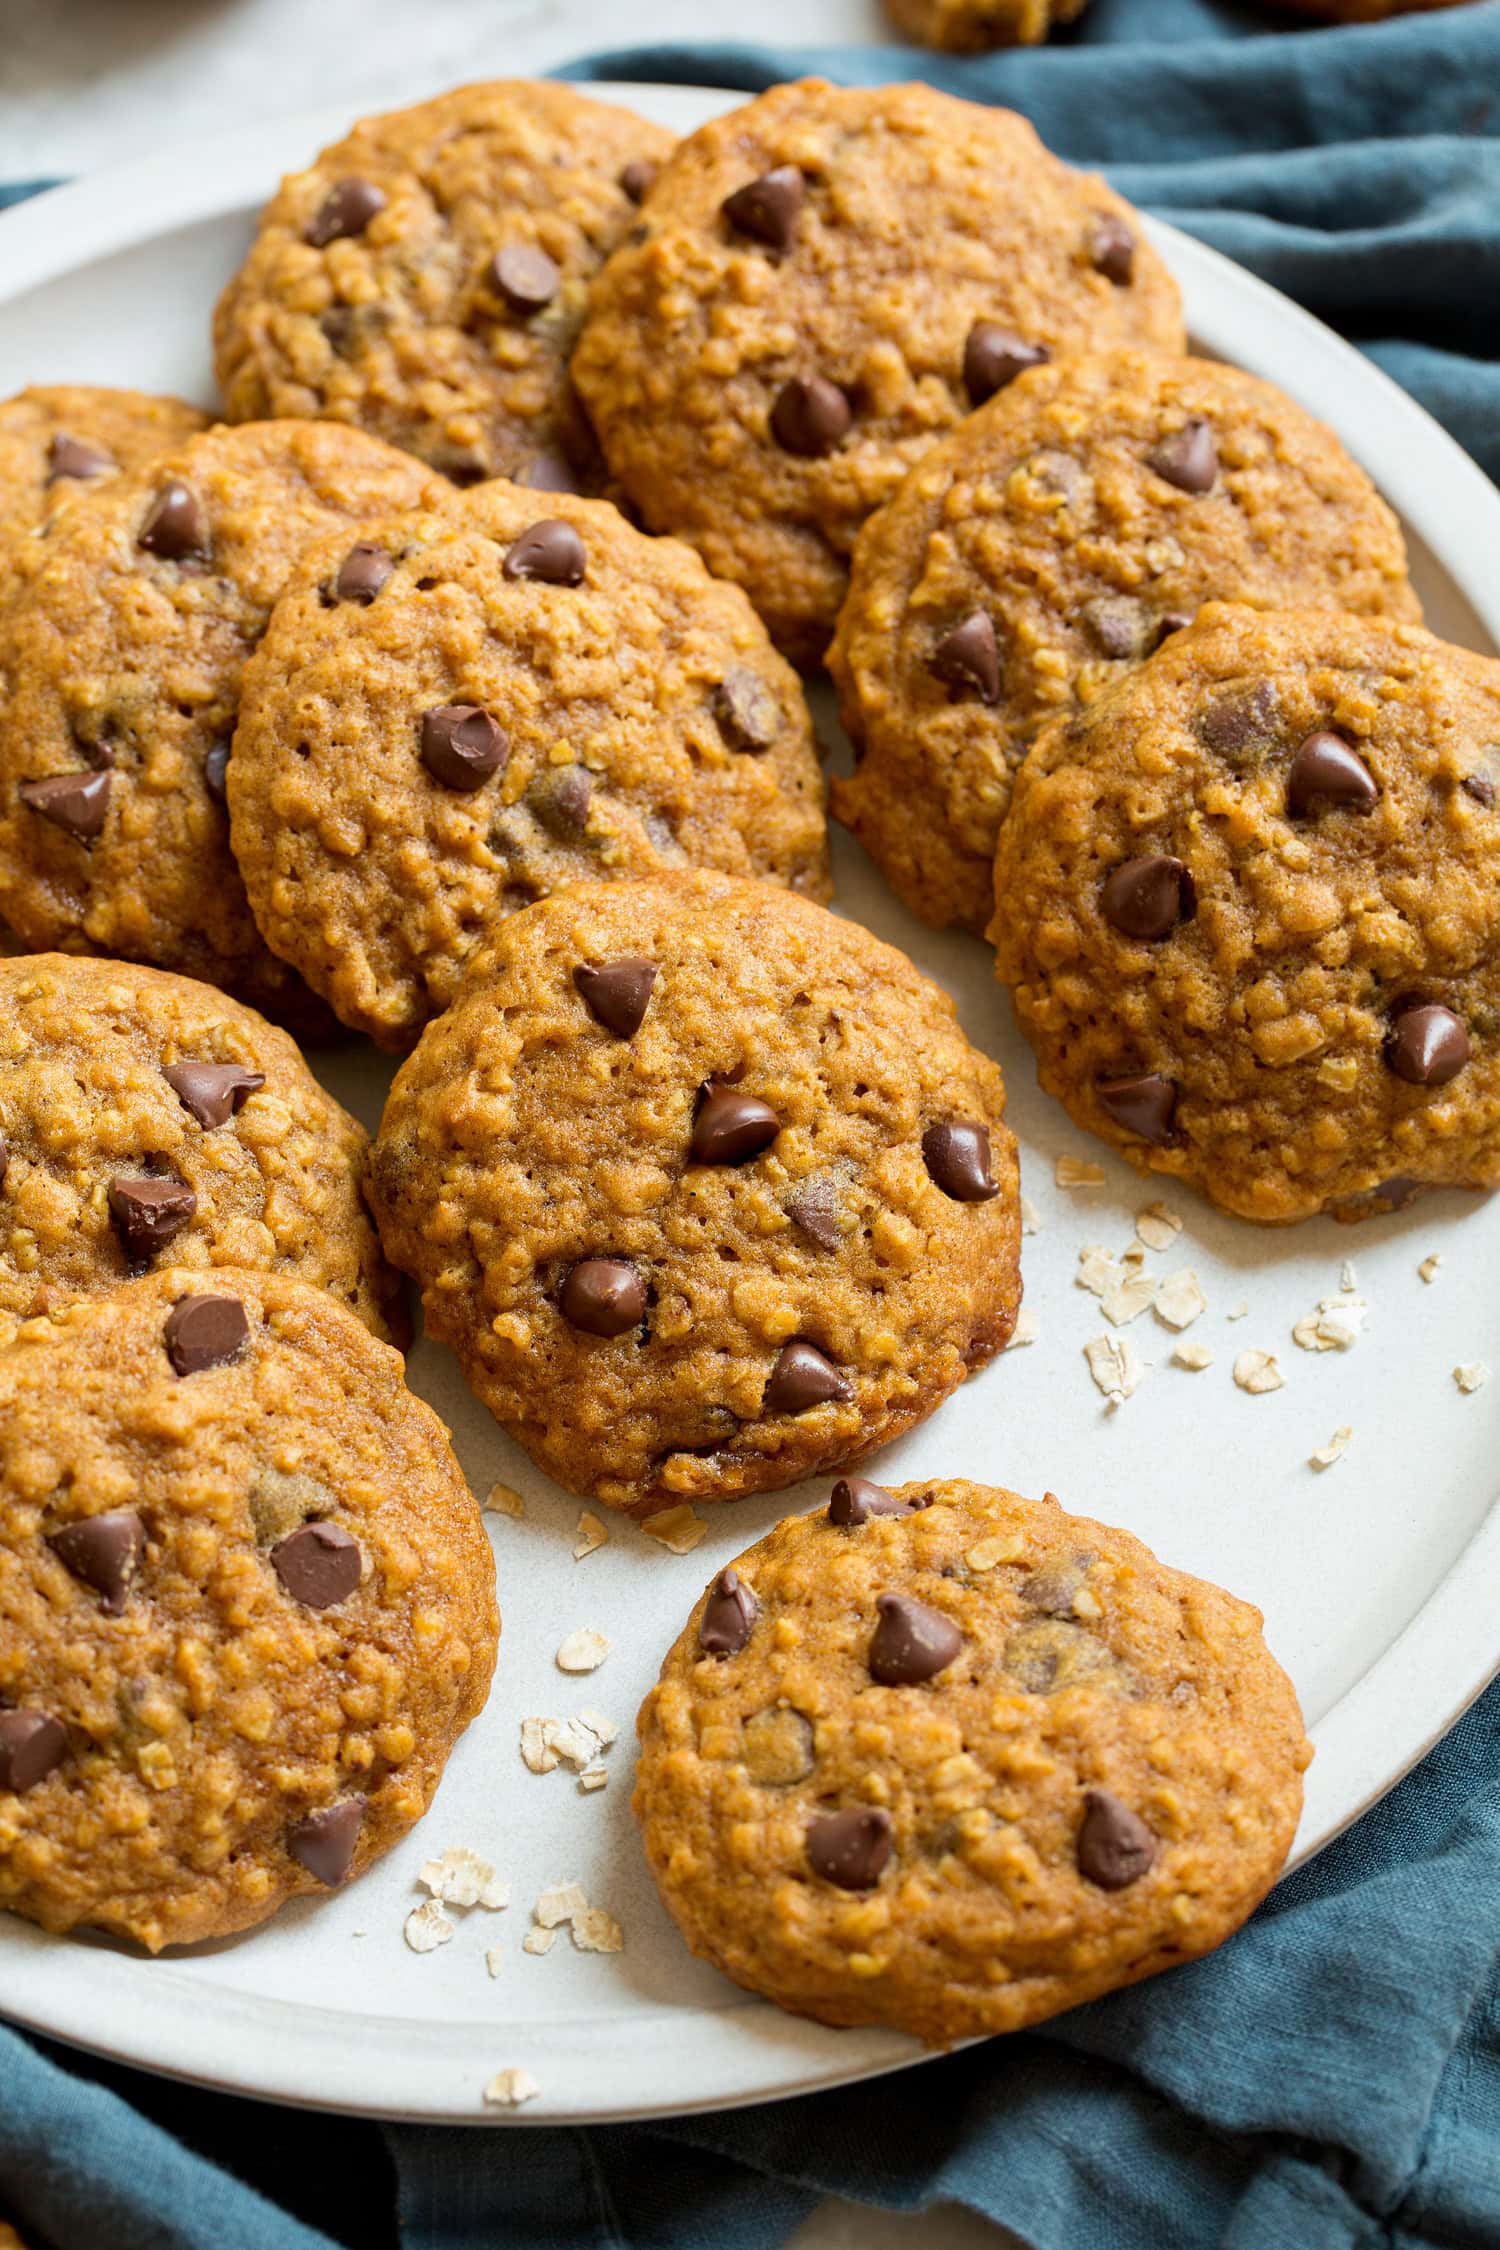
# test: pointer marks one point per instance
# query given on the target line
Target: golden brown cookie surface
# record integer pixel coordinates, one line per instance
(57, 437)
(1247, 906)
(1057, 536)
(971, 27)
(949, 1760)
(247, 1605)
(705, 1187)
(785, 339)
(425, 277)
(146, 1119)
(489, 702)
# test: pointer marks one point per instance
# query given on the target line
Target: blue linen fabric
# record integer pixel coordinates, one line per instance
(1330, 2080)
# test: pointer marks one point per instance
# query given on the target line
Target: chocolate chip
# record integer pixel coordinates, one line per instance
(550, 552)
(728, 1617)
(175, 528)
(1189, 457)
(1112, 249)
(810, 416)
(1119, 626)
(1147, 898)
(1171, 621)
(968, 657)
(1115, 1847)
(104, 1552)
(748, 714)
(525, 277)
(637, 177)
(604, 1297)
(1480, 787)
(855, 1499)
(216, 771)
(731, 1127)
(148, 1212)
(463, 746)
(346, 209)
(911, 1643)
(1328, 776)
(1145, 1104)
(802, 1378)
(1427, 1044)
(75, 802)
(850, 1849)
(814, 1208)
(768, 208)
(957, 1155)
(1244, 720)
(362, 573)
(560, 799)
(994, 357)
(31, 1744)
(324, 1843)
(319, 1565)
(75, 457)
(618, 992)
(547, 470)
(212, 1092)
(203, 1332)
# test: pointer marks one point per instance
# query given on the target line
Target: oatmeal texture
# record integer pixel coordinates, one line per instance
(271, 1164)
(1249, 908)
(440, 310)
(870, 1776)
(971, 27)
(123, 636)
(1061, 533)
(705, 1187)
(761, 385)
(629, 715)
(256, 1660)
(58, 438)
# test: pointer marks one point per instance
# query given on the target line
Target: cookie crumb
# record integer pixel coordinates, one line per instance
(1024, 1331)
(590, 1536)
(1193, 1356)
(509, 2088)
(1157, 1226)
(1076, 1172)
(461, 1878)
(1257, 1372)
(1179, 1299)
(679, 1528)
(583, 1651)
(1333, 1326)
(504, 1500)
(427, 1927)
(1428, 1269)
(1334, 1450)
(1115, 1366)
(1471, 1374)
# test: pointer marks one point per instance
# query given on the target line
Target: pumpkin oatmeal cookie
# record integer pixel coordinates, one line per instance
(972, 27)
(58, 437)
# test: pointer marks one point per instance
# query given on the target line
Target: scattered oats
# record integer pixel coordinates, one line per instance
(572, 1740)
(1001, 1546)
(462, 1878)
(592, 1778)
(1428, 1269)
(428, 1927)
(560, 1904)
(1075, 1172)
(1347, 1279)
(535, 1748)
(1157, 1225)
(1238, 1312)
(1031, 1218)
(596, 1722)
(1024, 1331)
(1257, 1372)
(359, 1933)
(539, 1941)
(1193, 1355)
(509, 2088)
(680, 1529)
(504, 1500)
(594, 1931)
(1115, 1366)
(1179, 1300)
(1471, 1374)
(1334, 1450)
(583, 1651)
(1334, 1326)
(590, 1535)
(494, 1959)
(1122, 1286)
(1096, 1269)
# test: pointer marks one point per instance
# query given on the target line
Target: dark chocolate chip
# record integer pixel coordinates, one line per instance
(1189, 457)
(148, 1212)
(324, 1843)
(1145, 1104)
(550, 552)
(525, 277)
(731, 1127)
(1147, 898)
(1171, 621)
(1112, 249)
(618, 993)
(362, 573)
(968, 657)
(104, 1552)
(748, 714)
(1427, 1044)
(75, 457)
(216, 771)
(1326, 775)
(604, 1297)
(463, 746)
(994, 357)
(1115, 1847)
(814, 1208)
(319, 1565)
(803, 1378)
(637, 177)
(850, 1849)
(547, 470)
(560, 797)
(1480, 787)
(855, 1499)
(203, 1332)
(810, 416)
(1245, 720)
(911, 1643)
(1119, 626)
(175, 528)
(346, 209)
(32, 1743)
(957, 1155)
(728, 1617)
(212, 1092)
(768, 208)
(75, 802)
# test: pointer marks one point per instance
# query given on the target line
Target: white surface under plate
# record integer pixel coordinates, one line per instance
(1380, 1578)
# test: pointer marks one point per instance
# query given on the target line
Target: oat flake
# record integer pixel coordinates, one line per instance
(1471, 1374)
(583, 1651)
(1334, 1450)
(1257, 1372)
(504, 1500)
(1075, 1172)
(679, 1529)
(428, 1927)
(509, 2088)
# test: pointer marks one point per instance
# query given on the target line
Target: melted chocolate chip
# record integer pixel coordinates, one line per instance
(175, 528)
(148, 1212)
(911, 1643)
(32, 1744)
(728, 1617)
(74, 458)
(1145, 1104)
(319, 1565)
(637, 177)
(810, 416)
(1427, 1044)
(731, 1127)
(1119, 626)
(1188, 458)
(1146, 898)
(463, 746)
(801, 1379)
(561, 798)
(75, 802)
(547, 470)
(525, 277)
(854, 1500)
(1115, 1847)
(768, 208)
(814, 1208)
(850, 1849)
(993, 357)
(1480, 787)
(1241, 722)
(1327, 775)
(748, 714)
(204, 1332)
(618, 993)
(325, 1842)
(216, 772)
(604, 1297)
(957, 1156)
(212, 1092)
(346, 209)
(1112, 249)
(362, 573)
(967, 658)
(550, 552)
(103, 1552)
(1171, 621)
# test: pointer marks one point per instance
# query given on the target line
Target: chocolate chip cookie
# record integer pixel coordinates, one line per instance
(948, 1760)
(1249, 907)
(788, 331)
(57, 437)
(123, 636)
(246, 1606)
(705, 1187)
(972, 27)
(1078, 518)
(425, 278)
(145, 1119)
(461, 711)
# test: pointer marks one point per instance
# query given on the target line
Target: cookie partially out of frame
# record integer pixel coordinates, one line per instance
(949, 1761)
(56, 438)
(972, 27)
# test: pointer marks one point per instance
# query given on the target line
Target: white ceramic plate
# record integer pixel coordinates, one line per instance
(1379, 1579)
